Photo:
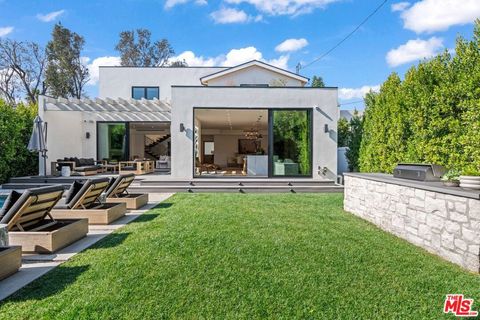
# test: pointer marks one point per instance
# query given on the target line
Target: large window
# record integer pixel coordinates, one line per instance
(291, 149)
(148, 93)
(112, 141)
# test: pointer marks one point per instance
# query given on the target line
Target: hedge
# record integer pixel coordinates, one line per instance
(432, 116)
(15, 129)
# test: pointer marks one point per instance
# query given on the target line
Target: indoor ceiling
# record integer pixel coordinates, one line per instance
(150, 126)
(232, 119)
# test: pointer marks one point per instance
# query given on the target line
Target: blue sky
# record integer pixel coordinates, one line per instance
(205, 32)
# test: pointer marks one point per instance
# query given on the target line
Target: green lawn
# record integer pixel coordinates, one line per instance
(246, 256)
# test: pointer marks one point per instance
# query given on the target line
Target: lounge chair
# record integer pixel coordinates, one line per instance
(31, 226)
(82, 201)
(10, 260)
(117, 192)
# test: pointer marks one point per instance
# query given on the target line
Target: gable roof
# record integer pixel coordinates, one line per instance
(207, 78)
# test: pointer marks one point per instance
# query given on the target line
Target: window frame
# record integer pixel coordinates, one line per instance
(145, 88)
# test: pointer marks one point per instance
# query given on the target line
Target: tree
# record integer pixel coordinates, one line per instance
(22, 66)
(317, 82)
(66, 75)
(137, 50)
(15, 129)
(354, 142)
(343, 127)
(178, 64)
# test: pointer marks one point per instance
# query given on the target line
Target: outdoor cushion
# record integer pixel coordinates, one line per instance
(71, 204)
(25, 196)
(9, 202)
(116, 182)
(87, 168)
(82, 162)
(73, 190)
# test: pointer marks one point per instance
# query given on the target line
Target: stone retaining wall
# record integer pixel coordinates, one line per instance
(446, 225)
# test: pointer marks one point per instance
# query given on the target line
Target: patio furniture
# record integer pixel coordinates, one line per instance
(136, 167)
(117, 192)
(10, 260)
(113, 167)
(31, 225)
(78, 166)
(82, 201)
(163, 162)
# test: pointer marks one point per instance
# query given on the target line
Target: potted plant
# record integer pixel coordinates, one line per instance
(451, 178)
(470, 178)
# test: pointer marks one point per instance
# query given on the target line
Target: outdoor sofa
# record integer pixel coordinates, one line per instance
(83, 201)
(79, 166)
(117, 192)
(31, 225)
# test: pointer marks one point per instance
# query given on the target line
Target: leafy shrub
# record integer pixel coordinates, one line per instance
(432, 116)
(452, 175)
(15, 129)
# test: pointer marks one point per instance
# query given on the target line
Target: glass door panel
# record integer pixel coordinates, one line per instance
(291, 147)
(112, 141)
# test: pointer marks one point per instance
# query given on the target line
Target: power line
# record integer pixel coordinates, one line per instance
(344, 104)
(344, 39)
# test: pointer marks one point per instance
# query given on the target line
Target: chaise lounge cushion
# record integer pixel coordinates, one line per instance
(73, 190)
(12, 211)
(80, 192)
(9, 202)
(114, 183)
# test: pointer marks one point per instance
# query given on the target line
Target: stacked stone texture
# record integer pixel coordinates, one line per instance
(443, 224)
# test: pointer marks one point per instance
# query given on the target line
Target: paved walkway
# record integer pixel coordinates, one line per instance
(36, 265)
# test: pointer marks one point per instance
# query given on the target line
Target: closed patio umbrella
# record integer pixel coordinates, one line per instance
(37, 141)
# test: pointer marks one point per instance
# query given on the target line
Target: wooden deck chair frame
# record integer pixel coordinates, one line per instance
(118, 193)
(31, 225)
(86, 204)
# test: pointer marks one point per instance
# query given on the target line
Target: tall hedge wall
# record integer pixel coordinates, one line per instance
(432, 116)
(15, 129)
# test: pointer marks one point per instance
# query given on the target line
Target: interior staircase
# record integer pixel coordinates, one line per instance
(149, 148)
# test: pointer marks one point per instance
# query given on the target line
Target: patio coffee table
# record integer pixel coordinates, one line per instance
(111, 167)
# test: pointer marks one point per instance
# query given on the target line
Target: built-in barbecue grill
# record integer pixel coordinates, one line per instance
(419, 172)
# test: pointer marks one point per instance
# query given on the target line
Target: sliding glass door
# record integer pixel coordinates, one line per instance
(291, 143)
(112, 139)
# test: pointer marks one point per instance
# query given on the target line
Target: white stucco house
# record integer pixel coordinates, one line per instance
(251, 120)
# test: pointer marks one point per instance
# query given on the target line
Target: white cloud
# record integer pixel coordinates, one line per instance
(356, 93)
(414, 50)
(438, 15)
(230, 15)
(50, 16)
(285, 7)
(5, 31)
(291, 45)
(400, 6)
(100, 61)
(172, 3)
(232, 58)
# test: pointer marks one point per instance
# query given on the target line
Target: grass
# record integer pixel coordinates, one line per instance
(248, 256)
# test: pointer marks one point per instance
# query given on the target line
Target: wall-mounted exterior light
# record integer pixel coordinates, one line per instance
(182, 127)
(326, 128)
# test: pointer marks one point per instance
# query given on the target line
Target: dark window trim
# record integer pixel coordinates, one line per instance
(270, 142)
(145, 91)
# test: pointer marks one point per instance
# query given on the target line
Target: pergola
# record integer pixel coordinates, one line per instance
(113, 109)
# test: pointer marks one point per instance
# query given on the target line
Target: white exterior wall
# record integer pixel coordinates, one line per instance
(255, 75)
(323, 102)
(117, 82)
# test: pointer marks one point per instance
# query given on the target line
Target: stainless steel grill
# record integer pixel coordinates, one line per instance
(419, 172)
